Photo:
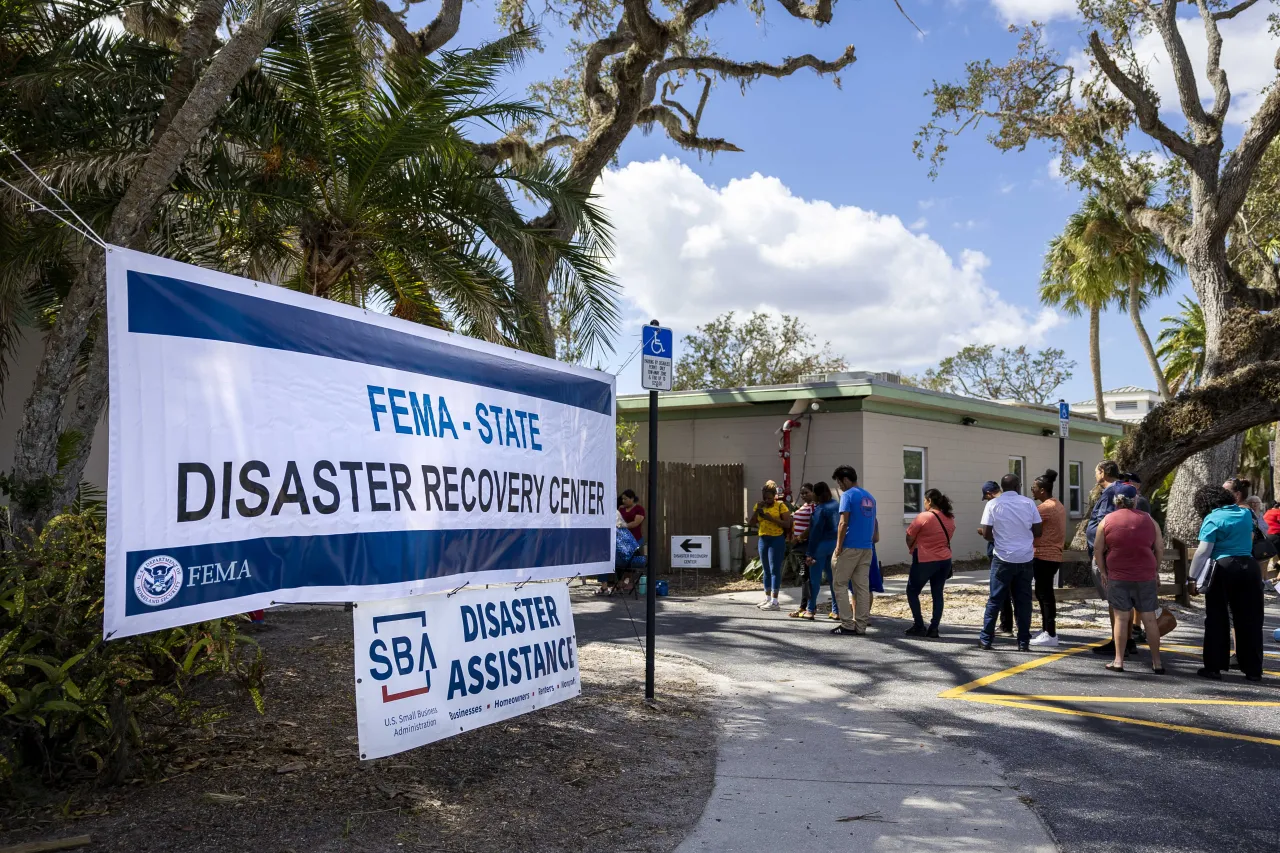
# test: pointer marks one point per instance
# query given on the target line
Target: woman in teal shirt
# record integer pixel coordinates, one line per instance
(1226, 572)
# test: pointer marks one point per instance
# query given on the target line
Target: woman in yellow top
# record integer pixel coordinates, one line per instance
(774, 520)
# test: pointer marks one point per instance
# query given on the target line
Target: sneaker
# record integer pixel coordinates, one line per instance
(916, 631)
(1024, 647)
(772, 605)
(1045, 639)
(933, 632)
(764, 604)
(1107, 648)
(986, 647)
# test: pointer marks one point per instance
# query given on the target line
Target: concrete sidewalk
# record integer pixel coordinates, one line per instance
(803, 765)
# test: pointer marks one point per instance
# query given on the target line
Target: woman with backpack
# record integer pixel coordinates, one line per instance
(929, 540)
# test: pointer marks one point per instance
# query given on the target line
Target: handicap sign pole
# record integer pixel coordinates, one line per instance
(655, 375)
(1064, 430)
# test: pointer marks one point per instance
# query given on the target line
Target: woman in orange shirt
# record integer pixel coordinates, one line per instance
(1048, 559)
(929, 540)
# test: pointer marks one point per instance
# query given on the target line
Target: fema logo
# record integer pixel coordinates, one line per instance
(157, 580)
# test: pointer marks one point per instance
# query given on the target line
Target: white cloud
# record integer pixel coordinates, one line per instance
(1055, 170)
(1025, 11)
(883, 296)
(1005, 189)
(919, 225)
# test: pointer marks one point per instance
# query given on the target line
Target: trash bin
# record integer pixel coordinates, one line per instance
(722, 539)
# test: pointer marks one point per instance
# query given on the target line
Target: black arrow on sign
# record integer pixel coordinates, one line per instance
(689, 545)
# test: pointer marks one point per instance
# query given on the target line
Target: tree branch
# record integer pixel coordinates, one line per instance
(425, 41)
(1217, 76)
(1145, 107)
(598, 98)
(656, 114)
(197, 42)
(819, 12)
(137, 207)
(1172, 230)
(1227, 14)
(748, 71)
(1184, 75)
(1238, 172)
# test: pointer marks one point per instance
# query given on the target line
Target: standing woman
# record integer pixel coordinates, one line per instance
(821, 543)
(774, 519)
(1128, 548)
(1226, 572)
(1048, 559)
(929, 540)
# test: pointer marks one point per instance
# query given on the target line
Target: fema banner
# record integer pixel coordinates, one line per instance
(433, 666)
(267, 446)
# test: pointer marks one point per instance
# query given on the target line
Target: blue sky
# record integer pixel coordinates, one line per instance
(933, 264)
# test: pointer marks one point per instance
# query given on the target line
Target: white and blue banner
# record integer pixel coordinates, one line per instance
(430, 667)
(268, 446)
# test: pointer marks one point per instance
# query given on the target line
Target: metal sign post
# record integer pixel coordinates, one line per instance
(656, 350)
(1064, 430)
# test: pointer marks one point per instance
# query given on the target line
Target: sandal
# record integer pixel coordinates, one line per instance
(798, 614)
(807, 615)
(603, 590)
(1158, 670)
(1115, 668)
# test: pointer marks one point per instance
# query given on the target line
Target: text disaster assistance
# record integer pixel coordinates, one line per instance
(250, 488)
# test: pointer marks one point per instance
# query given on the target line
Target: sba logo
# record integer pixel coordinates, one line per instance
(404, 657)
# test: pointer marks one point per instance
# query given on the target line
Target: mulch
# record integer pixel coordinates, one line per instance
(603, 772)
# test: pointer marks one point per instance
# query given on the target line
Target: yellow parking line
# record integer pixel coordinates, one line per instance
(957, 692)
(1053, 709)
(1137, 700)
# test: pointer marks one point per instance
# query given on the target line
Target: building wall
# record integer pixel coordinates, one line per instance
(958, 460)
(17, 387)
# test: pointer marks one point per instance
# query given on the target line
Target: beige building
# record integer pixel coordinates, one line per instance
(902, 440)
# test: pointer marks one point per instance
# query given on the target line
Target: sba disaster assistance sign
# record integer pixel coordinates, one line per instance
(430, 667)
(268, 446)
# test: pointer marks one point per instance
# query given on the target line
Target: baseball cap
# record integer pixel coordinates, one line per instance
(1124, 490)
(989, 487)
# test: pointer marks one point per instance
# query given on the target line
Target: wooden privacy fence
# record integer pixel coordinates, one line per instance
(694, 500)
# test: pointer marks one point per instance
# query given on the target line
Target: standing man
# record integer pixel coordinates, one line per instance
(1011, 522)
(857, 532)
(989, 490)
(1108, 477)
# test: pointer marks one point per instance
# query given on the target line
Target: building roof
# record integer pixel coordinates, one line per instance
(1128, 389)
(859, 391)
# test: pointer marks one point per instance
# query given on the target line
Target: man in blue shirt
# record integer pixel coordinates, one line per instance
(857, 532)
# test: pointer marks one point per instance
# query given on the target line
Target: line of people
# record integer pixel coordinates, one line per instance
(1026, 538)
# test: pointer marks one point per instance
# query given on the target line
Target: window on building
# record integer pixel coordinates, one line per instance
(1126, 405)
(912, 480)
(1150, 405)
(1018, 465)
(1075, 480)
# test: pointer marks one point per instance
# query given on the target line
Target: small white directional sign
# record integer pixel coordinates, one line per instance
(1064, 419)
(690, 552)
(655, 362)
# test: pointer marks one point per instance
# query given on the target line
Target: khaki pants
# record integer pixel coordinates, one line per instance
(854, 565)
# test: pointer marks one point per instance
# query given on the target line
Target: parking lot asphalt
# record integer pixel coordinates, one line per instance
(1110, 761)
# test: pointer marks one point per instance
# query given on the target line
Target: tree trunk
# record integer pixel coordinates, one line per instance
(1206, 267)
(1135, 314)
(1095, 361)
(1275, 470)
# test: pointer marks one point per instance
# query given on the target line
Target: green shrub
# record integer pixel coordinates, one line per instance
(75, 706)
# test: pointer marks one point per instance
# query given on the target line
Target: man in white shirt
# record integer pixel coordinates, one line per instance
(1012, 522)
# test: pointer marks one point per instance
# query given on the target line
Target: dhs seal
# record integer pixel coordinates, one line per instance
(157, 580)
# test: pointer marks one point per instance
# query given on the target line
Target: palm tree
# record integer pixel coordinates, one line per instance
(358, 184)
(1098, 260)
(1181, 346)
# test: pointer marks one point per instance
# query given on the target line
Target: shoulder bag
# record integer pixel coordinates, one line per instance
(950, 571)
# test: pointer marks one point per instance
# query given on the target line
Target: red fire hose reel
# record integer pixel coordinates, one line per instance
(784, 450)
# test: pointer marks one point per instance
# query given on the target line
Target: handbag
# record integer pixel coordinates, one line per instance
(626, 545)
(1166, 621)
(950, 570)
(1263, 548)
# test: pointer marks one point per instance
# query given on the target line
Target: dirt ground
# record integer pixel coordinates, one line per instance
(603, 772)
